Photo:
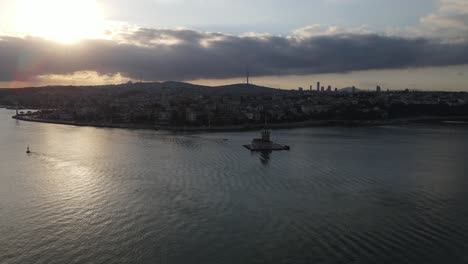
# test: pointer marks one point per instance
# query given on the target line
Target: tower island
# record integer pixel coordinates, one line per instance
(264, 143)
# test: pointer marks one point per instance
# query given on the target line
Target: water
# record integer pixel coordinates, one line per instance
(341, 195)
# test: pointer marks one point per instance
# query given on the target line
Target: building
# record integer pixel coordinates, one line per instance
(164, 99)
(191, 115)
(318, 86)
(329, 88)
(322, 89)
(308, 108)
(378, 89)
(164, 117)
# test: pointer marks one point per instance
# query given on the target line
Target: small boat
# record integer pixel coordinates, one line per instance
(28, 151)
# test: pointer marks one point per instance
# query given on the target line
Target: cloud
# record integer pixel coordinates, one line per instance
(450, 20)
(164, 54)
(323, 30)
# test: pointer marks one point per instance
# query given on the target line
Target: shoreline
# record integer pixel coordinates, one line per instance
(454, 120)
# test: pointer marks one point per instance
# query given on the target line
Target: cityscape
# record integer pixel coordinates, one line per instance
(178, 106)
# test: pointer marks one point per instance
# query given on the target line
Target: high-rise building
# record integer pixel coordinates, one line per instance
(318, 86)
(336, 90)
(354, 89)
(329, 88)
(322, 89)
(378, 89)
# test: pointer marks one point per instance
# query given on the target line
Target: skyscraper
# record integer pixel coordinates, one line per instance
(318, 86)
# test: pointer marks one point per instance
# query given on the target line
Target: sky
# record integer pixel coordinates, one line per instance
(399, 44)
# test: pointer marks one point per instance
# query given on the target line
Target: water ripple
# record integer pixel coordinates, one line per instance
(362, 195)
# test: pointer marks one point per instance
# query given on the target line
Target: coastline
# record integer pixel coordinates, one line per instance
(449, 120)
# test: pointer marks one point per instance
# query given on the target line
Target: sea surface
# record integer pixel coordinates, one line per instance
(341, 195)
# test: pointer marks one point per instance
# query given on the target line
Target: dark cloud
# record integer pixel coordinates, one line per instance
(152, 54)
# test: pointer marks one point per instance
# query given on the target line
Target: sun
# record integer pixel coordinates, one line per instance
(61, 20)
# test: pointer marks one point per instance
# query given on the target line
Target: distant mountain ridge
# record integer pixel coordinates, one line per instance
(241, 88)
(349, 90)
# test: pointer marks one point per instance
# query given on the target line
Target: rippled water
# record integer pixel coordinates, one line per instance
(341, 195)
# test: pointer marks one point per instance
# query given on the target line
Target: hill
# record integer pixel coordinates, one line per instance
(350, 90)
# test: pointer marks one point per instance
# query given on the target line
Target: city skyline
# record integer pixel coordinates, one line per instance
(419, 45)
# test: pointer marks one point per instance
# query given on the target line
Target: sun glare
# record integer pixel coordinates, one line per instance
(61, 20)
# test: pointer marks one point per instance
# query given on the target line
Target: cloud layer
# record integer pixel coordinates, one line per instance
(162, 54)
(450, 20)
